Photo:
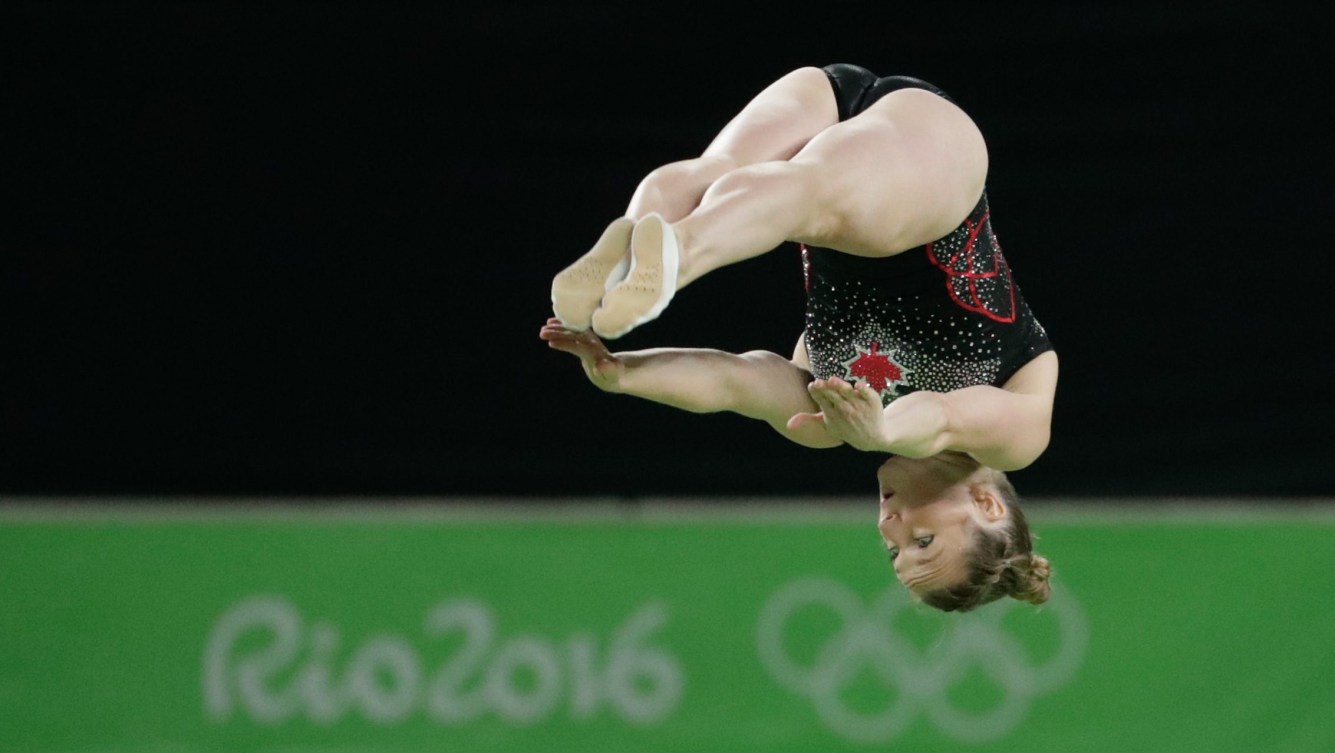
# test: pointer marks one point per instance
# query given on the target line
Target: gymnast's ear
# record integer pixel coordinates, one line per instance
(988, 500)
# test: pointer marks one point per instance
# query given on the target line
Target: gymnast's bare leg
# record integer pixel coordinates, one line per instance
(902, 173)
(774, 125)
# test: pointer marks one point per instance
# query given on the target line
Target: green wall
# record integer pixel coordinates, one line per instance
(746, 629)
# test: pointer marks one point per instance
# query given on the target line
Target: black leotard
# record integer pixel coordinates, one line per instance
(937, 317)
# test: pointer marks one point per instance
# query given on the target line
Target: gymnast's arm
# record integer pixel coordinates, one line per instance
(1006, 428)
(757, 384)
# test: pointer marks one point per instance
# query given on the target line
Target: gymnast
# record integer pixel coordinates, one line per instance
(917, 341)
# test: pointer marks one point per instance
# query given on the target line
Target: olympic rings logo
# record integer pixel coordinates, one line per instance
(916, 682)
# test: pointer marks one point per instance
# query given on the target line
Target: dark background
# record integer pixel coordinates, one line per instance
(306, 248)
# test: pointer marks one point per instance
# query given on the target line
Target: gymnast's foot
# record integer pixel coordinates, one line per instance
(650, 283)
(578, 289)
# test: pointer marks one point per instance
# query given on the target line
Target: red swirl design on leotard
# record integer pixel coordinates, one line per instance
(977, 275)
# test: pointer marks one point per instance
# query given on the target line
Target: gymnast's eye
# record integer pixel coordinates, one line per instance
(894, 552)
(923, 541)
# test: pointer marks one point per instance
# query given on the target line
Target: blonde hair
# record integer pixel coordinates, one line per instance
(1002, 562)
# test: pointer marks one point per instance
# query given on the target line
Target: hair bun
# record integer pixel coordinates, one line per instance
(1032, 572)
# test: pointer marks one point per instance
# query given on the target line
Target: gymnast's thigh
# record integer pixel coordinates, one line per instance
(903, 172)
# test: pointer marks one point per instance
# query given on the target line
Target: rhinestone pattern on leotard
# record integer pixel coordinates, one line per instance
(938, 317)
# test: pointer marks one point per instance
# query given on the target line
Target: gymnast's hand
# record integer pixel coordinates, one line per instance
(850, 412)
(601, 367)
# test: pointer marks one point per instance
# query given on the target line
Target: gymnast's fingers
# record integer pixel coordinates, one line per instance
(822, 396)
(863, 391)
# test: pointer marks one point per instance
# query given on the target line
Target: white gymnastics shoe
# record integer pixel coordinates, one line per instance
(649, 284)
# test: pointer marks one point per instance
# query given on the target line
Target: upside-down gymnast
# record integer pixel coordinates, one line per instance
(917, 340)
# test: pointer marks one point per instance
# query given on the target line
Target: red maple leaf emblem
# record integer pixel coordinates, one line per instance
(876, 367)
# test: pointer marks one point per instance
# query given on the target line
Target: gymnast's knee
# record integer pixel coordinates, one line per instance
(674, 189)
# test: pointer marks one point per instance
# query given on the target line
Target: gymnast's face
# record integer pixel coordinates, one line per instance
(930, 511)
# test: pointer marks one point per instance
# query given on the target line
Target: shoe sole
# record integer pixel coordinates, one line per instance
(653, 247)
(578, 289)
